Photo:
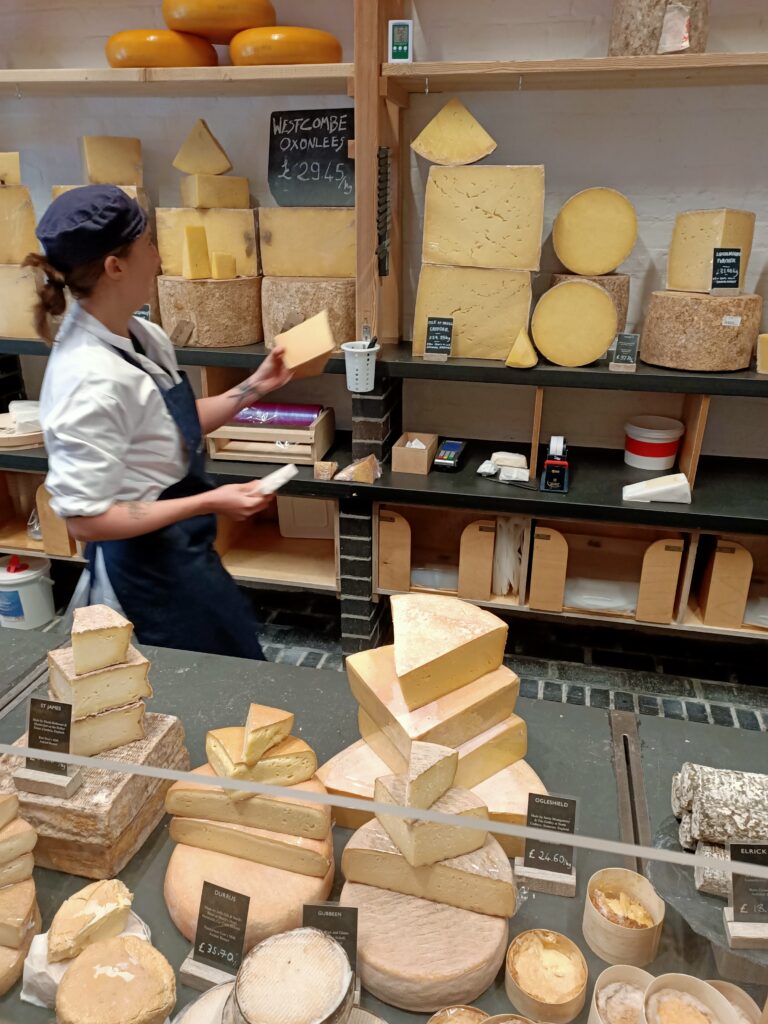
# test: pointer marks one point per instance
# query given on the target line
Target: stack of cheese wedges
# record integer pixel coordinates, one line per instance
(18, 293)
(104, 678)
(19, 914)
(452, 884)
(208, 251)
(442, 682)
(278, 848)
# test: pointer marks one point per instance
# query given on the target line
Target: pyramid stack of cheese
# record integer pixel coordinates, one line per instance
(442, 682)
(277, 849)
(19, 913)
(18, 294)
(482, 239)
(446, 891)
(104, 678)
(208, 251)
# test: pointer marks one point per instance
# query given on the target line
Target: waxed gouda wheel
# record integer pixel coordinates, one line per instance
(574, 323)
(284, 44)
(217, 20)
(595, 231)
(159, 48)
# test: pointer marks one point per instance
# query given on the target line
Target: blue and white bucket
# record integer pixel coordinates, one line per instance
(26, 592)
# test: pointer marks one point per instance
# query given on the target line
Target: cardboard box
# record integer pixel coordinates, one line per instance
(414, 460)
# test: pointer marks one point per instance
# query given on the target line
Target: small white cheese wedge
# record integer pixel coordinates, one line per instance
(674, 487)
(431, 773)
(264, 728)
(99, 911)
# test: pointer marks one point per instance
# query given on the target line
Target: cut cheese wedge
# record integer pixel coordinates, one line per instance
(441, 643)
(308, 346)
(595, 231)
(9, 808)
(101, 689)
(453, 137)
(290, 762)
(291, 853)
(481, 881)
(17, 870)
(112, 160)
(201, 153)
(696, 235)
(264, 728)
(574, 323)
(308, 241)
(17, 838)
(431, 772)
(12, 960)
(522, 355)
(289, 815)
(232, 231)
(17, 224)
(425, 842)
(99, 911)
(212, 191)
(100, 638)
(223, 266)
(195, 260)
(18, 911)
(107, 730)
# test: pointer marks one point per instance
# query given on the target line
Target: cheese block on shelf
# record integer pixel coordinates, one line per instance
(214, 191)
(284, 44)
(290, 762)
(481, 881)
(522, 355)
(277, 897)
(202, 153)
(223, 266)
(159, 48)
(10, 169)
(431, 772)
(132, 191)
(101, 689)
(488, 307)
(490, 216)
(450, 720)
(479, 758)
(453, 137)
(291, 853)
(16, 839)
(218, 22)
(762, 353)
(308, 241)
(18, 297)
(308, 346)
(18, 911)
(108, 730)
(232, 231)
(195, 261)
(290, 815)
(426, 842)
(112, 160)
(419, 955)
(264, 728)
(288, 301)
(98, 912)
(595, 231)
(574, 323)
(696, 235)
(222, 313)
(123, 980)
(17, 870)
(9, 808)
(442, 643)
(12, 960)
(689, 331)
(17, 224)
(100, 638)
(617, 286)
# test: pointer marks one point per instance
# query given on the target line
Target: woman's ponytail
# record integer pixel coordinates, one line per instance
(52, 301)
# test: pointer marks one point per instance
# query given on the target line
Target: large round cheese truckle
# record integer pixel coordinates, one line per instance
(574, 323)
(159, 48)
(595, 231)
(118, 981)
(419, 955)
(617, 286)
(277, 896)
(301, 975)
(284, 44)
(217, 20)
(222, 313)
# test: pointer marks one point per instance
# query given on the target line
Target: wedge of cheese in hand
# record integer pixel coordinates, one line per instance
(430, 774)
(99, 911)
(100, 638)
(264, 728)
(453, 137)
(16, 839)
(290, 762)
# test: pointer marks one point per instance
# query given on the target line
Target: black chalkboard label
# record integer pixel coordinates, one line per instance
(726, 268)
(626, 349)
(338, 921)
(439, 335)
(221, 925)
(309, 162)
(558, 814)
(750, 895)
(49, 728)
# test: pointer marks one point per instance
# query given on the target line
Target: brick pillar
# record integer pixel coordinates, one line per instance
(364, 622)
(377, 419)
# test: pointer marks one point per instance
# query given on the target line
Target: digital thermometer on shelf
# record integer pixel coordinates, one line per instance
(400, 48)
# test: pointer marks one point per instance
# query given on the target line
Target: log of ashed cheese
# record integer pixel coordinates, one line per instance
(690, 331)
(637, 27)
(223, 314)
(617, 286)
(710, 880)
(288, 301)
(723, 804)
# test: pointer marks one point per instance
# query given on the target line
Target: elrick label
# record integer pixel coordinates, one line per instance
(749, 895)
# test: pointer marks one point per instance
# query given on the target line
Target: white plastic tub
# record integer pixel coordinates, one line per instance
(652, 442)
(26, 598)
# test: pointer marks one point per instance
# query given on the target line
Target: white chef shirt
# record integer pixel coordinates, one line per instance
(108, 434)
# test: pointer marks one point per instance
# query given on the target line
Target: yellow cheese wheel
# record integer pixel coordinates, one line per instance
(159, 48)
(285, 44)
(574, 323)
(595, 231)
(217, 20)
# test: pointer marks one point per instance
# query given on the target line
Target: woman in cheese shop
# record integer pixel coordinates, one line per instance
(125, 435)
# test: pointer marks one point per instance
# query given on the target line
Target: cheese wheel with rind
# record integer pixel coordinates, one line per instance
(574, 323)
(159, 48)
(617, 286)
(284, 44)
(217, 20)
(595, 231)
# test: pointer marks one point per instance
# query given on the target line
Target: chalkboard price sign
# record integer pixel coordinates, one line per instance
(49, 727)
(625, 354)
(221, 924)
(439, 340)
(726, 271)
(750, 895)
(557, 814)
(309, 162)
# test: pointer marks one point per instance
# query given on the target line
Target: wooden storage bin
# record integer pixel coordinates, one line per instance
(414, 460)
(731, 570)
(274, 444)
(19, 494)
(650, 558)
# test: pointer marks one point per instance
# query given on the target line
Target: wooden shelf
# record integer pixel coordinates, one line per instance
(707, 69)
(289, 79)
(262, 555)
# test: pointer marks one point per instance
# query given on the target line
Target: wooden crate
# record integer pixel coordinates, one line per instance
(731, 569)
(274, 444)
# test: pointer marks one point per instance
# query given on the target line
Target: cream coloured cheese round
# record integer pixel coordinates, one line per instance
(546, 968)
(669, 1006)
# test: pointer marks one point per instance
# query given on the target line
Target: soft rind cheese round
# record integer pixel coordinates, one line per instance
(595, 231)
(284, 44)
(669, 1006)
(299, 977)
(547, 966)
(159, 48)
(620, 1003)
(209, 1008)
(98, 912)
(217, 20)
(574, 323)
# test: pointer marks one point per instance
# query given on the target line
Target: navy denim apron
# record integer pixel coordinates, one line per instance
(171, 583)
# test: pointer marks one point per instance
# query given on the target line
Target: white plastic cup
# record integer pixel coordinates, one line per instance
(652, 442)
(360, 362)
(26, 598)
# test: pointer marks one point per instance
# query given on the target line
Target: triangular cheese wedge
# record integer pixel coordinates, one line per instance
(290, 762)
(441, 643)
(454, 137)
(431, 773)
(201, 153)
(264, 729)
(308, 346)
(522, 355)
(98, 912)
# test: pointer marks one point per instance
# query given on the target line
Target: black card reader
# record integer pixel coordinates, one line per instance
(449, 455)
